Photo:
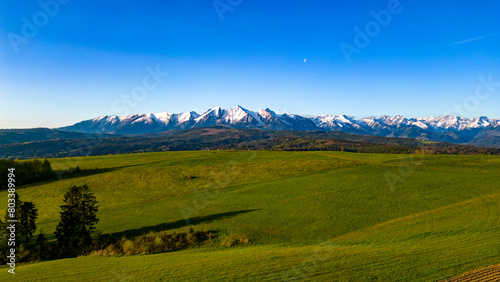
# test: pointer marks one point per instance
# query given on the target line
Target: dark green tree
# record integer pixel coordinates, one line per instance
(42, 247)
(78, 220)
(46, 169)
(28, 214)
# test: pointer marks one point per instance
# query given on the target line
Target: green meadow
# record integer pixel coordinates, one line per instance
(326, 216)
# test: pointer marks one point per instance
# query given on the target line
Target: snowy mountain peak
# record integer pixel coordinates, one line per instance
(267, 113)
(187, 116)
(454, 128)
(236, 114)
(344, 119)
(163, 117)
(216, 112)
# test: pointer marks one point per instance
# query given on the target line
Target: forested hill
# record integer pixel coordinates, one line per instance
(9, 136)
(240, 139)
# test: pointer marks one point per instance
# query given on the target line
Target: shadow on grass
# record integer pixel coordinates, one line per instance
(66, 174)
(73, 173)
(70, 174)
(178, 224)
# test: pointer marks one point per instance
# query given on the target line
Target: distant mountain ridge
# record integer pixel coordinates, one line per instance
(482, 130)
(8, 136)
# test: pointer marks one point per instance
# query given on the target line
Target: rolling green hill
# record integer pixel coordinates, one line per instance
(317, 215)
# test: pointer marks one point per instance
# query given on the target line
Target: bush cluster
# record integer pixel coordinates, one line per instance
(154, 242)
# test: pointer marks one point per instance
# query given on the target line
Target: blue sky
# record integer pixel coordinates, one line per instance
(85, 59)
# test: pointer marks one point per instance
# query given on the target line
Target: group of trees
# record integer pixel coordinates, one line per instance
(73, 233)
(26, 171)
(26, 214)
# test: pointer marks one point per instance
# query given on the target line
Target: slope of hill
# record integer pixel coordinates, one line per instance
(444, 129)
(488, 137)
(309, 215)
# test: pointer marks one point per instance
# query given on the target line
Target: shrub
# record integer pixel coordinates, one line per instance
(159, 245)
(235, 240)
(128, 248)
(111, 250)
(153, 242)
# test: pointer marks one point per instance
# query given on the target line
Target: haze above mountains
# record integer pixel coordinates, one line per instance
(481, 131)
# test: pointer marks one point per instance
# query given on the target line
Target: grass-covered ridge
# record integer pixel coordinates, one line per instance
(322, 215)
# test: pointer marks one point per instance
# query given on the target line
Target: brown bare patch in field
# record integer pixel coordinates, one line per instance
(213, 131)
(490, 273)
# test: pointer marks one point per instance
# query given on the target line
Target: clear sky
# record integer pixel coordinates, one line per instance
(70, 60)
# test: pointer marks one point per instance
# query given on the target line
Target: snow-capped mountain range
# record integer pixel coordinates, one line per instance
(443, 128)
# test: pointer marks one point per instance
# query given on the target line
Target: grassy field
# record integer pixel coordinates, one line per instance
(309, 215)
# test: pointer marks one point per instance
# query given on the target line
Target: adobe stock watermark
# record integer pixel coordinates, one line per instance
(123, 106)
(470, 104)
(120, 106)
(203, 197)
(363, 38)
(484, 89)
(309, 265)
(223, 6)
(48, 9)
(84, 147)
(406, 168)
(121, 275)
(11, 220)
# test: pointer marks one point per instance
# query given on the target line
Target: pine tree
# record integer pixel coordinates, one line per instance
(46, 169)
(78, 219)
(42, 247)
(28, 214)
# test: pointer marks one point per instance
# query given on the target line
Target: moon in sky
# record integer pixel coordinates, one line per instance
(305, 60)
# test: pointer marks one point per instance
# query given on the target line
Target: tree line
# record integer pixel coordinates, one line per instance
(26, 171)
(252, 139)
